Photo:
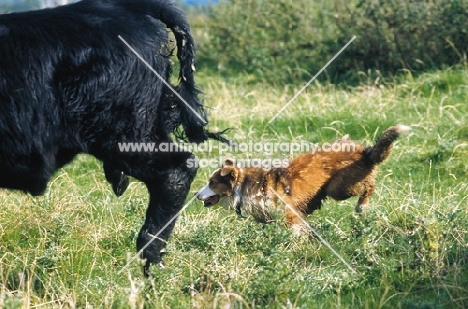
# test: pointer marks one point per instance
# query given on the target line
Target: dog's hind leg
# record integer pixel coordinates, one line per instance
(364, 199)
(362, 204)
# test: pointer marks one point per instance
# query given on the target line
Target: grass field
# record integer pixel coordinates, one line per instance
(67, 248)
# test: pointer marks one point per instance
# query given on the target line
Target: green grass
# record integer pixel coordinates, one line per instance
(66, 248)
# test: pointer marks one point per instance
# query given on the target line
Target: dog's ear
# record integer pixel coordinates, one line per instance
(225, 171)
(228, 166)
(228, 162)
(230, 172)
(234, 174)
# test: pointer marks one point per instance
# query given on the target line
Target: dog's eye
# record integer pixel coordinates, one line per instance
(211, 183)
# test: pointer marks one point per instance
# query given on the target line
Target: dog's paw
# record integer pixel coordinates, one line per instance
(361, 208)
(300, 230)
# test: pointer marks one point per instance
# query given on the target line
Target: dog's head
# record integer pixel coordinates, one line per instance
(221, 184)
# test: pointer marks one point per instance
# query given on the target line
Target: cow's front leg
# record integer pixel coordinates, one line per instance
(167, 196)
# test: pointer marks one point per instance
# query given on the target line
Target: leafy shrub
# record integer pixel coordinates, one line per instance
(284, 40)
(404, 34)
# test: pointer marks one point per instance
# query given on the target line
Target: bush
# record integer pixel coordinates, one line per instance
(284, 40)
(407, 35)
(263, 38)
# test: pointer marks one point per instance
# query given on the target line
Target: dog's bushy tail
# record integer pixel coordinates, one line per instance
(192, 115)
(382, 148)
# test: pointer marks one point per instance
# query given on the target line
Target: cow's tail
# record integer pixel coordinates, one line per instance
(192, 113)
(382, 148)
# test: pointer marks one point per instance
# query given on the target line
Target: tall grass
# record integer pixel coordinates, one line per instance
(66, 249)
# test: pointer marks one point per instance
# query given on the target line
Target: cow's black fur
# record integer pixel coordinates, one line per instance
(69, 85)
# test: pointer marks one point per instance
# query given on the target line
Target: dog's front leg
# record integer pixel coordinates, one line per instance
(238, 204)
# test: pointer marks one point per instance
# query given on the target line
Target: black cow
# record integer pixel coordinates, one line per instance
(69, 85)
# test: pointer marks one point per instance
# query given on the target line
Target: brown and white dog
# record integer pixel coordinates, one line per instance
(348, 169)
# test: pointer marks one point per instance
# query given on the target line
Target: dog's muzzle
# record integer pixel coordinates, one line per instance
(210, 201)
(208, 197)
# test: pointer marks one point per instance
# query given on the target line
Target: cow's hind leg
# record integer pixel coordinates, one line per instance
(167, 192)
